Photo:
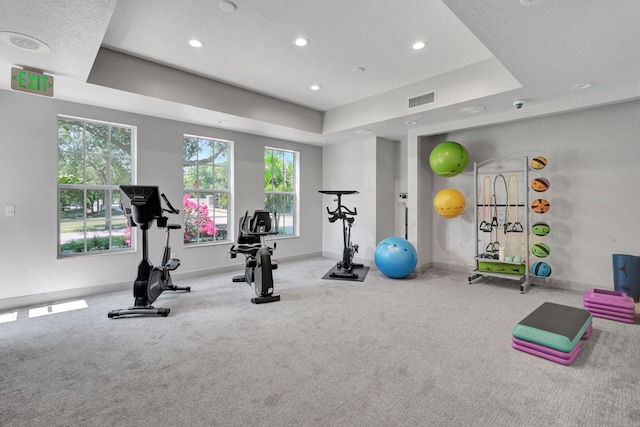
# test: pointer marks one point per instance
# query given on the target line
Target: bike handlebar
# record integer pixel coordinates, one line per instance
(341, 210)
(171, 208)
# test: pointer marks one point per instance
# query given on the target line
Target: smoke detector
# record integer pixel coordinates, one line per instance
(24, 42)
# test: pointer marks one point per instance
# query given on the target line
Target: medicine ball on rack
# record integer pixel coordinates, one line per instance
(540, 184)
(538, 162)
(541, 250)
(541, 269)
(540, 228)
(540, 206)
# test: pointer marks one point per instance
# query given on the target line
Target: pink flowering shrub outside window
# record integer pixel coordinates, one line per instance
(198, 226)
(127, 236)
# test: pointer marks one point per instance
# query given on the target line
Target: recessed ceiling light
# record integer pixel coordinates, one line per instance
(582, 86)
(364, 131)
(228, 6)
(412, 122)
(529, 2)
(471, 110)
(419, 45)
(195, 43)
(23, 41)
(314, 87)
(222, 122)
(359, 70)
(301, 41)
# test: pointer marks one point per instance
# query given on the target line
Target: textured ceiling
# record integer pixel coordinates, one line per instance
(484, 54)
(253, 46)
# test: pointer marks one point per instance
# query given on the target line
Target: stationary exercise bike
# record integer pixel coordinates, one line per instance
(141, 205)
(259, 266)
(346, 266)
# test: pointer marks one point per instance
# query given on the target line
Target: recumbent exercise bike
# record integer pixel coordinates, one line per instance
(258, 263)
(346, 266)
(141, 205)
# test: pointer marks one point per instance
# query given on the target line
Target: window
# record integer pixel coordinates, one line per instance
(206, 189)
(280, 188)
(94, 158)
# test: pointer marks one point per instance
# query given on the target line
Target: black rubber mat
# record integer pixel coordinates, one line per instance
(356, 274)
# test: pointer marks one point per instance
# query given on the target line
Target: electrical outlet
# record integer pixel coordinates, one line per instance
(9, 210)
(501, 218)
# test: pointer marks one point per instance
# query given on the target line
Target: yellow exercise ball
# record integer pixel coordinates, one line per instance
(449, 203)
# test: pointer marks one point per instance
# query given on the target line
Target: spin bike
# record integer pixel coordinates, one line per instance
(346, 266)
(141, 205)
(258, 263)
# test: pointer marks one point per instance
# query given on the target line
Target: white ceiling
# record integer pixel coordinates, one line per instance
(479, 53)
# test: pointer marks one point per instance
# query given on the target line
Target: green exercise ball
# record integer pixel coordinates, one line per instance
(448, 159)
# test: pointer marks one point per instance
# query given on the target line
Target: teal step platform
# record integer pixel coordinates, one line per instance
(554, 326)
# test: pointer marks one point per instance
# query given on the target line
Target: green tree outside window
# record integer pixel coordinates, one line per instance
(280, 187)
(94, 158)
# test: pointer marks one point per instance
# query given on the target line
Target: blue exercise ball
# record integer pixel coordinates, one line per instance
(396, 257)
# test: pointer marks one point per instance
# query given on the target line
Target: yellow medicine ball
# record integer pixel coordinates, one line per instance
(538, 162)
(449, 203)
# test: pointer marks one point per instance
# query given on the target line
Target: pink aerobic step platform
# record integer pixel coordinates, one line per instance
(541, 336)
(546, 352)
(612, 305)
(551, 354)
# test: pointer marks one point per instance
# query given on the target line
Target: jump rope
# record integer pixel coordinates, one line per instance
(485, 225)
(494, 221)
(515, 227)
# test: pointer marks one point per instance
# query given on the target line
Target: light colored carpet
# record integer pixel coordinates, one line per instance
(430, 350)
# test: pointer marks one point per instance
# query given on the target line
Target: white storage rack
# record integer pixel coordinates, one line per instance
(505, 208)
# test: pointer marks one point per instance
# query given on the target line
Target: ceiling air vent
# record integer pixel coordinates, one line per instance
(420, 100)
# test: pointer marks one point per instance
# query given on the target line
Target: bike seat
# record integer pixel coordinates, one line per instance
(247, 249)
(174, 226)
(338, 192)
(173, 264)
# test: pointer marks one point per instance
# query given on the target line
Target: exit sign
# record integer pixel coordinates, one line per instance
(26, 80)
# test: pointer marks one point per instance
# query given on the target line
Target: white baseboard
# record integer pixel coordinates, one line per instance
(45, 298)
(8, 304)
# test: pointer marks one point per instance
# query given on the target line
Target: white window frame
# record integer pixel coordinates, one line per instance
(286, 219)
(110, 190)
(220, 223)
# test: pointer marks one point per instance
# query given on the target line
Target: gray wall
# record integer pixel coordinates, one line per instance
(386, 196)
(135, 75)
(28, 169)
(368, 165)
(420, 201)
(593, 170)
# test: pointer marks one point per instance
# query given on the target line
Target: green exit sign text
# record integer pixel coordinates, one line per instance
(31, 81)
